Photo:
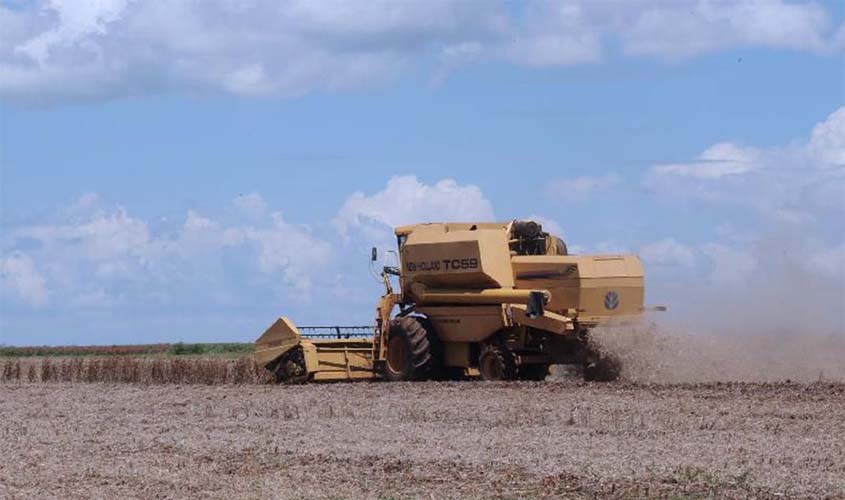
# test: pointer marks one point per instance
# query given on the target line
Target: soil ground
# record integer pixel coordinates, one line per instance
(422, 440)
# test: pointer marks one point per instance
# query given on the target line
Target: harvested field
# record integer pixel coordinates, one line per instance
(423, 440)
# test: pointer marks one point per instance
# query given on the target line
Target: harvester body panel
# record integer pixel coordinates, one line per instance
(465, 323)
(457, 259)
(598, 288)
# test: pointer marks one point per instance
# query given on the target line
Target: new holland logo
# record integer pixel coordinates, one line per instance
(611, 300)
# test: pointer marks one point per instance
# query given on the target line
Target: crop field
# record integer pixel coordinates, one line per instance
(178, 348)
(208, 370)
(557, 439)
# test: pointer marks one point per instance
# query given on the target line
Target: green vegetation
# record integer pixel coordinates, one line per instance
(181, 348)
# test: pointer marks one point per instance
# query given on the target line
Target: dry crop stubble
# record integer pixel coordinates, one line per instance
(106, 427)
(418, 440)
(134, 370)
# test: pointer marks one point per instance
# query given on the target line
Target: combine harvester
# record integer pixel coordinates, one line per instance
(499, 300)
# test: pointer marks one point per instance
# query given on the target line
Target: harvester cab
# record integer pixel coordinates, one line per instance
(496, 300)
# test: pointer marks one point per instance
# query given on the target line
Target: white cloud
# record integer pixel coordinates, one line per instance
(201, 234)
(279, 248)
(75, 23)
(112, 241)
(793, 183)
(555, 34)
(20, 278)
(406, 200)
(686, 28)
(717, 161)
(668, 252)
(248, 80)
(289, 249)
(579, 189)
(93, 254)
(83, 50)
(827, 142)
(62, 49)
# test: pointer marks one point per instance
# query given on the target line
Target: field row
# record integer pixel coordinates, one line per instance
(177, 348)
(134, 370)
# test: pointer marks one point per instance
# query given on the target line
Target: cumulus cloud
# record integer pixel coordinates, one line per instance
(715, 162)
(686, 28)
(579, 189)
(289, 249)
(668, 252)
(827, 142)
(94, 253)
(796, 182)
(279, 248)
(60, 49)
(21, 280)
(406, 200)
(110, 243)
(201, 234)
(555, 34)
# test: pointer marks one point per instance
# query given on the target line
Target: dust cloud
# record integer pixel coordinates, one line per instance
(784, 320)
(660, 354)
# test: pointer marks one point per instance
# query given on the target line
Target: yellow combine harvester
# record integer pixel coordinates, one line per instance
(499, 300)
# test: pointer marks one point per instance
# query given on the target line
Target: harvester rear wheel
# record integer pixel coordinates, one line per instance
(413, 350)
(496, 363)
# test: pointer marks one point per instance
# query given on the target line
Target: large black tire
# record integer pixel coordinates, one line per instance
(496, 363)
(413, 350)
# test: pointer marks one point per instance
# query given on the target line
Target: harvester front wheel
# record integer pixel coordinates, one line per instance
(496, 363)
(412, 350)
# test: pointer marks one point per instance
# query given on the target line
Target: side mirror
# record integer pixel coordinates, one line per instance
(374, 254)
(536, 301)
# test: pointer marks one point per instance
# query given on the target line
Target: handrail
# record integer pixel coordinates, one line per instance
(336, 332)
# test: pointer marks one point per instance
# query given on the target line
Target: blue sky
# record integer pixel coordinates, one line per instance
(176, 173)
